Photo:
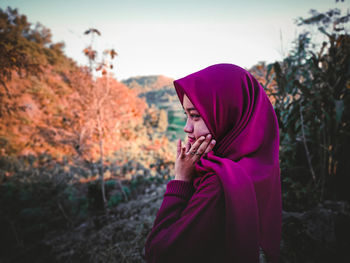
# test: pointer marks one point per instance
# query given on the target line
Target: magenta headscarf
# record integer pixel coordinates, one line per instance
(240, 117)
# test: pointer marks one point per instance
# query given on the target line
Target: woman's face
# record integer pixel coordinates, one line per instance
(195, 126)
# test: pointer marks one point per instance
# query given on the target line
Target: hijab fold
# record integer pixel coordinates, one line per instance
(239, 115)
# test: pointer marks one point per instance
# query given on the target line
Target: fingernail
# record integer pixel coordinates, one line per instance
(209, 136)
(213, 141)
(202, 137)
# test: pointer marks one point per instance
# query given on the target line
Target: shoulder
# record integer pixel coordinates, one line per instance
(210, 178)
(210, 182)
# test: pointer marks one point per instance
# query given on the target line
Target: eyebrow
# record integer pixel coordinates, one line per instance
(189, 109)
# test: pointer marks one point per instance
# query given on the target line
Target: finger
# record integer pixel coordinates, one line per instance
(210, 146)
(188, 147)
(201, 149)
(183, 152)
(195, 146)
(178, 148)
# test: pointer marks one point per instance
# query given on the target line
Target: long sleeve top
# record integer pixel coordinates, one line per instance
(190, 224)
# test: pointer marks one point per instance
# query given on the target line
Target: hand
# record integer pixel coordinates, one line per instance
(187, 157)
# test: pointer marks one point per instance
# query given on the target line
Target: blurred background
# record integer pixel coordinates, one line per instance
(90, 118)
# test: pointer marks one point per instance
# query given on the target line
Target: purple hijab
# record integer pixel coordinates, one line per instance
(240, 117)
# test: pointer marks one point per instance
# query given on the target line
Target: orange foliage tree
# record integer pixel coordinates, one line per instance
(110, 106)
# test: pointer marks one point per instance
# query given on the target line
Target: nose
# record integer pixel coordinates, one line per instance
(188, 127)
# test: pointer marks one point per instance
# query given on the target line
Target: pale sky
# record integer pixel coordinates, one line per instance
(178, 37)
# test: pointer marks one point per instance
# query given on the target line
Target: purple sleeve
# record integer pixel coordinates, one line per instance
(189, 225)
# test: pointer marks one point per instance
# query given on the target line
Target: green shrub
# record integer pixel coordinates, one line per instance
(312, 107)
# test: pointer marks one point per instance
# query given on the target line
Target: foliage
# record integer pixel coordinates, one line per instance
(312, 104)
(39, 197)
(24, 48)
(54, 111)
(35, 201)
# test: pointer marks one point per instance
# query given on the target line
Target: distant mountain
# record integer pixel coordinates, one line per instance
(148, 83)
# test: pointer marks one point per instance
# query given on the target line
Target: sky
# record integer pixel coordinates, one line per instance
(178, 37)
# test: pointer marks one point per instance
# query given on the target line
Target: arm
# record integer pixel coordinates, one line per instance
(188, 227)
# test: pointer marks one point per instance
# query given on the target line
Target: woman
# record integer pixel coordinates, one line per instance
(224, 204)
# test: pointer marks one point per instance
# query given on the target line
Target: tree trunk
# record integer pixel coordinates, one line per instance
(103, 190)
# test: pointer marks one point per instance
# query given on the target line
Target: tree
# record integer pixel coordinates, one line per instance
(110, 104)
(15, 37)
(312, 106)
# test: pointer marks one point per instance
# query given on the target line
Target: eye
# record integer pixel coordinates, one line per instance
(193, 115)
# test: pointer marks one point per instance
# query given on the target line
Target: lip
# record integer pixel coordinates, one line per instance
(191, 139)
